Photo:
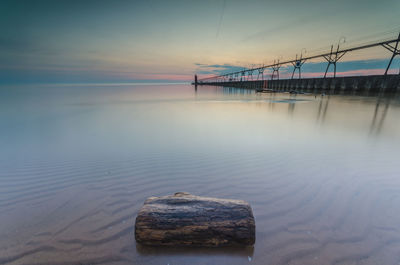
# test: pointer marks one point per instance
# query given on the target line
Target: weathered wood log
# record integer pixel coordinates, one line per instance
(183, 219)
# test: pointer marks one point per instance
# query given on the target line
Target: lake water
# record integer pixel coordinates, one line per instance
(77, 162)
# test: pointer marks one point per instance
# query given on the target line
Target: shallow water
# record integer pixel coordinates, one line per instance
(77, 163)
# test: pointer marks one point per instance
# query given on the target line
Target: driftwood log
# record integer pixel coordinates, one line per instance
(183, 219)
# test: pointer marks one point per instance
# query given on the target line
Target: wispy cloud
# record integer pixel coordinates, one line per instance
(313, 69)
(360, 72)
(347, 66)
(216, 69)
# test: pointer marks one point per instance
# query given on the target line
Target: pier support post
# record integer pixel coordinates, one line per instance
(275, 71)
(261, 72)
(250, 74)
(298, 64)
(333, 58)
(395, 51)
(243, 76)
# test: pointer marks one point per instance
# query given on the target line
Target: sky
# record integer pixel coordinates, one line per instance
(73, 41)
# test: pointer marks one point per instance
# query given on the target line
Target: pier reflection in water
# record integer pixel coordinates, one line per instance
(77, 163)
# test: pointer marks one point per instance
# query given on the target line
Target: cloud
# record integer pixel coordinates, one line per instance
(217, 69)
(361, 72)
(314, 69)
(351, 65)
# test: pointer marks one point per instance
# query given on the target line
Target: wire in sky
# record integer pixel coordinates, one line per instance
(220, 18)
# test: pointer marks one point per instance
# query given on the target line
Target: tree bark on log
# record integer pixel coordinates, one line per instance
(183, 219)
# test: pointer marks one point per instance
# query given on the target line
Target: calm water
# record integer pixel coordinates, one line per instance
(77, 162)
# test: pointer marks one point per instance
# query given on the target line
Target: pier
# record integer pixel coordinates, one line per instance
(372, 84)
(363, 85)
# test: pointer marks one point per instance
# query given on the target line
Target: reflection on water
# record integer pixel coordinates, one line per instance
(380, 111)
(77, 163)
(323, 107)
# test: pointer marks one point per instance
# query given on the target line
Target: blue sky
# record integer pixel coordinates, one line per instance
(124, 41)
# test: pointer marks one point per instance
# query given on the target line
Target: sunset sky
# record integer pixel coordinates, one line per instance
(127, 41)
